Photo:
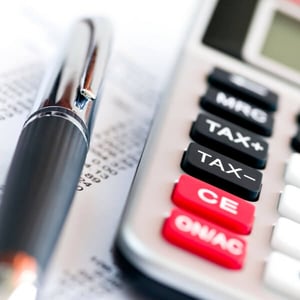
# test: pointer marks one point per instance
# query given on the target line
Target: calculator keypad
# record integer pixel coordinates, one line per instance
(223, 174)
(221, 166)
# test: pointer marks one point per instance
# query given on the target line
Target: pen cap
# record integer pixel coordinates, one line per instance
(75, 81)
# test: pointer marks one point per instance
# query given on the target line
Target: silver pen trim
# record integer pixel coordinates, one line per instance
(60, 112)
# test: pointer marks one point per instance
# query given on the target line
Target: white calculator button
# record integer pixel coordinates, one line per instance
(289, 203)
(285, 237)
(292, 174)
(282, 274)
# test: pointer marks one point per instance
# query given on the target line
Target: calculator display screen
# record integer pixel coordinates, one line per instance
(282, 43)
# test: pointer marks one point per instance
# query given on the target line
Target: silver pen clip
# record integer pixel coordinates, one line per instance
(77, 80)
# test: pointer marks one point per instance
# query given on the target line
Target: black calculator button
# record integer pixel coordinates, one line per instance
(243, 87)
(238, 111)
(221, 171)
(298, 118)
(296, 141)
(230, 139)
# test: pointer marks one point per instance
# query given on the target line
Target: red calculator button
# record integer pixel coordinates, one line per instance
(205, 239)
(214, 204)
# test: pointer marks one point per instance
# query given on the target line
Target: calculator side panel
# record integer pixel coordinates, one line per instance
(140, 238)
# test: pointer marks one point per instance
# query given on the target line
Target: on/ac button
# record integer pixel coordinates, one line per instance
(205, 239)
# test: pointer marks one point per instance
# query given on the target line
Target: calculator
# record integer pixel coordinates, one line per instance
(214, 209)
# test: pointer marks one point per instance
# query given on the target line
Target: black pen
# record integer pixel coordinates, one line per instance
(49, 158)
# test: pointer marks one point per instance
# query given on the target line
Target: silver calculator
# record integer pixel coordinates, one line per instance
(214, 210)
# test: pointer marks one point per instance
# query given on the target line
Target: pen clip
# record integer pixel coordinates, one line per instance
(76, 82)
(92, 76)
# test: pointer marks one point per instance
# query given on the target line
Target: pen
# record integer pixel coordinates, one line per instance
(49, 158)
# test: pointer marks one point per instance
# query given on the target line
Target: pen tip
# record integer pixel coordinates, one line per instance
(18, 277)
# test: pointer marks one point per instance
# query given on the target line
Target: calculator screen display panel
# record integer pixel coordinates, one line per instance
(282, 43)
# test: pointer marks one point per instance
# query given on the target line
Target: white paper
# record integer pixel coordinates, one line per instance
(147, 39)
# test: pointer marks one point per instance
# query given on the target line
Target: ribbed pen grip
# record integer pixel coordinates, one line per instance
(40, 186)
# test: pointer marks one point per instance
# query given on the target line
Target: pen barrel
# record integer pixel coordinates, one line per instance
(40, 186)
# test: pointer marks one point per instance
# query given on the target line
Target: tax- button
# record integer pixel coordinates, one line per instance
(238, 111)
(205, 239)
(282, 274)
(214, 204)
(221, 171)
(231, 139)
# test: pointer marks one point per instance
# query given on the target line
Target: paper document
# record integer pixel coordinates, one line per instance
(148, 36)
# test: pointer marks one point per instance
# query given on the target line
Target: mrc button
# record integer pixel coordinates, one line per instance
(222, 171)
(231, 139)
(214, 204)
(241, 86)
(238, 111)
(205, 239)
